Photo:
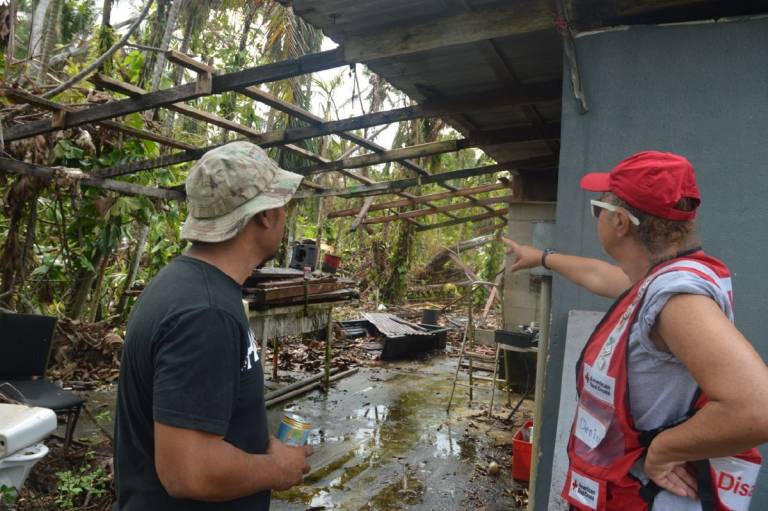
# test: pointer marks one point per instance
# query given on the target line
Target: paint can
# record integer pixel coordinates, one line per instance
(293, 430)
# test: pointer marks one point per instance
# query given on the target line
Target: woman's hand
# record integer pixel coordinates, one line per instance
(527, 256)
(671, 476)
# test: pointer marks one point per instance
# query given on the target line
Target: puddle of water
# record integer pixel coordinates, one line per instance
(361, 477)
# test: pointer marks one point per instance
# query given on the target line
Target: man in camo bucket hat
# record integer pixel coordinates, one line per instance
(191, 391)
(228, 186)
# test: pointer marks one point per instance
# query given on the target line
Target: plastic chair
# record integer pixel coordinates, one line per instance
(25, 346)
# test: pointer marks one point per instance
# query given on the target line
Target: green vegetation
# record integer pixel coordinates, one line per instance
(71, 251)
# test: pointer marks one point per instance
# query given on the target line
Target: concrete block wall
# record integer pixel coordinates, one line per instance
(520, 297)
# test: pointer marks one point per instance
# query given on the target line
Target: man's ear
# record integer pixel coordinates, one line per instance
(262, 220)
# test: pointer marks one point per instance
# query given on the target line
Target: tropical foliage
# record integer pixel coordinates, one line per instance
(72, 251)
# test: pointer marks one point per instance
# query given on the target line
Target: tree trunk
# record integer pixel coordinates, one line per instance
(96, 295)
(170, 26)
(141, 242)
(155, 37)
(84, 281)
(106, 13)
(37, 34)
(178, 71)
(51, 27)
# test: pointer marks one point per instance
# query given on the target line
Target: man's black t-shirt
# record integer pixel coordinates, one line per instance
(189, 361)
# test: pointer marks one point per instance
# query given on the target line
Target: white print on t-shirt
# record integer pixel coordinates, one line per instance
(253, 349)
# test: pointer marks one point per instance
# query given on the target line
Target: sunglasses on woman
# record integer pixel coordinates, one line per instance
(598, 206)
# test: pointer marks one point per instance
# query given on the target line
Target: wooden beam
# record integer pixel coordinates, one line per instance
(510, 18)
(436, 108)
(161, 98)
(450, 207)
(20, 167)
(421, 199)
(298, 112)
(186, 61)
(388, 187)
(521, 134)
(182, 108)
(476, 218)
(491, 228)
(21, 96)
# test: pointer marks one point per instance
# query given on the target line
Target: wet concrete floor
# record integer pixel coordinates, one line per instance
(383, 441)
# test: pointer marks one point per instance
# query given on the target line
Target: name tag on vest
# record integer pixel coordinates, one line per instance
(584, 490)
(589, 429)
(599, 384)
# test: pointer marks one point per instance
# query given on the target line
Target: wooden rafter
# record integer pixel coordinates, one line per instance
(501, 212)
(421, 199)
(20, 167)
(220, 83)
(506, 199)
(21, 96)
(521, 134)
(389, 187)
(195, 113)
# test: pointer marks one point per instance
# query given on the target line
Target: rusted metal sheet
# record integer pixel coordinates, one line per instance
(393, 326)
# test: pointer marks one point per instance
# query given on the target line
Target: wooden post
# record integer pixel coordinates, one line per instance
(328, 341)
(275, 357)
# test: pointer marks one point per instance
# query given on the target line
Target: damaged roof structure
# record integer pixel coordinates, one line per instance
(509, 76)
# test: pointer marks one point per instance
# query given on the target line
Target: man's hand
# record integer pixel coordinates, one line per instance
(527, 256)
(671, 476)
(290, 462)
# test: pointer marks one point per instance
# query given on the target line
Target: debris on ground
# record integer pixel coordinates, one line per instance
(85, 355)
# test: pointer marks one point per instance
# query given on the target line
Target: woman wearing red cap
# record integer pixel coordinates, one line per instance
(665, 380)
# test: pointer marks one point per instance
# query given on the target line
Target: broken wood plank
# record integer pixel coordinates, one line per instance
(420, 199)
(83, 179)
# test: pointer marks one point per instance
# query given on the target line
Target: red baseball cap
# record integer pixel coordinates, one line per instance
(651, 181)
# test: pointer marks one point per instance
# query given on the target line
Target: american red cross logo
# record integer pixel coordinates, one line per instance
(574, 485)
(586, 378)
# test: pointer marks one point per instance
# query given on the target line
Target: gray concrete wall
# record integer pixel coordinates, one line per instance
(700, 90)
(520, 296)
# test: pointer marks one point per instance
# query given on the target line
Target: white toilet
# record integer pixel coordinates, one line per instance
(21, 430)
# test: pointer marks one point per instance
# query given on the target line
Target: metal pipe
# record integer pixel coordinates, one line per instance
(541, 365)
(307, 388)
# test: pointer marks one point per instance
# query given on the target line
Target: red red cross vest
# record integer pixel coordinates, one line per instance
(604, 443)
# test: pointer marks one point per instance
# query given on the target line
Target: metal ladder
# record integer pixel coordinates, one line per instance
(467, 353)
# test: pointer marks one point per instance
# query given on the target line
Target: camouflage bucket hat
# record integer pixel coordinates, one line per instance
(229, 185)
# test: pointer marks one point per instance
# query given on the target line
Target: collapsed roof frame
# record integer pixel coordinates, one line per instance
(489, 23)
